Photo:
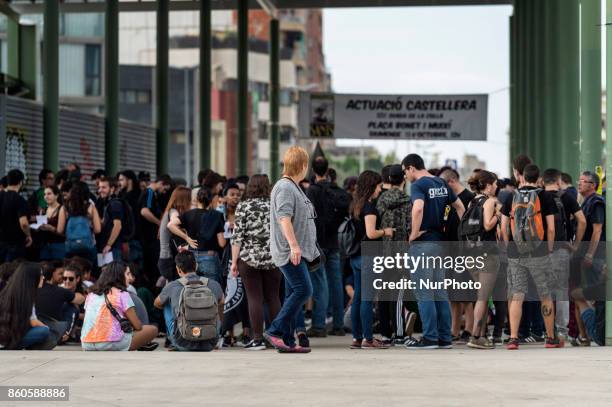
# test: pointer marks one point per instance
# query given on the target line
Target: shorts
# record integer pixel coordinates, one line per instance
(121, 345)
(561, 270)
(540, 269)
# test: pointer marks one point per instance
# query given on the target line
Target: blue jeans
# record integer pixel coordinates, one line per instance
(298, 289)
(433, 304)
(209, 266)
(362, 314)
(170, 319)
(320, 297)
(34, 336)
(53, 251)
(335, 306)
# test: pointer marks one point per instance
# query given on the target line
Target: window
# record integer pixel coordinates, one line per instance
(92, 69)
(286, 97)
(143, 97)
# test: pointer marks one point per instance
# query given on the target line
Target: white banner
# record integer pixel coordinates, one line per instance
(417, 117)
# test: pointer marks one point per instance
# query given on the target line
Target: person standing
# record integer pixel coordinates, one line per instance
(251, 258)
(430, 196)
(14, 225)
(179, 203)
(37, 201)
(331, 205)
(51, 235)
(292, 244)
(367, 228)
(112, 237)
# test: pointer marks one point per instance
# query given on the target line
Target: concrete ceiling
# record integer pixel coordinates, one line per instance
(30, 7)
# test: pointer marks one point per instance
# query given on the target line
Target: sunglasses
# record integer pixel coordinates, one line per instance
(69, 279)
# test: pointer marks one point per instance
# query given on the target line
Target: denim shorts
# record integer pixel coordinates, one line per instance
(122, 345)
(540, 269)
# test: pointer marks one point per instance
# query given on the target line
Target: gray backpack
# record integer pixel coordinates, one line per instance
(198, 313)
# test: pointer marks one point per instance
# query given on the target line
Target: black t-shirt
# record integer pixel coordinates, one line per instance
(594, 213)
(369, 208)
(192, 222)
(50, 299)
(571, 206)
(547, 207)
(452, 223)
(110, 210)
(148, 230)
(12, 207)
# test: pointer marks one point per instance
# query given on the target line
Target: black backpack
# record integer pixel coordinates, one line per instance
(336, 203)
(349, 243)
(560, 219)
(128, 227)
(471, 225)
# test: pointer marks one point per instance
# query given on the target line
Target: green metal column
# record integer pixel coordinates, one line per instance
(568, 85)
(274, 97)
(51, 85)
(552, 149)
(539, 84)
(161, 90)
(513, 142)
(521, 82)
(13, 47)
(205, 86)
(609, 169)
(243, 86)
(111, 87)
(28, 58)
(530, 80)
(590, 85)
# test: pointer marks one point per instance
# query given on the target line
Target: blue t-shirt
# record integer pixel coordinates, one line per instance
(436, 196)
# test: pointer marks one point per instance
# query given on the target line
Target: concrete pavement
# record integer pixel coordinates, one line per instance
(331, 375)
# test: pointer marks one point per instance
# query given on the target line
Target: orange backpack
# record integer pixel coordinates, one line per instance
(526, 223)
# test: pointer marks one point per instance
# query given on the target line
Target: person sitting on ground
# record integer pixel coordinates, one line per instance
(19, 326)
(174, 294)
(110, 321)
(55, 305)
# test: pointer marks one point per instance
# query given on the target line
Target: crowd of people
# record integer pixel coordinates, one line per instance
(114, 261)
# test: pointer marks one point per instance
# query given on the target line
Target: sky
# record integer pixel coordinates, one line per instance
(426, 50)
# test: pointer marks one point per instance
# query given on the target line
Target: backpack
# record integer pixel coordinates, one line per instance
(348, 244)
(335, 203)
(79, 237)
(198, 313)
(471, 226)
(560, 219)
(128, 228)
(526, 223)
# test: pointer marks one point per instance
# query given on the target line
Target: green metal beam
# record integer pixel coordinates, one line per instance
(609, 170)
(540, 135)
(553, 151)
(590, 85)
(111, 88)
(243, 87)
(569, 82)
(205, 86)
(28, 58)
(51, 85)
(13, 47)
(274, 98)
(161, 90)
(521, 81)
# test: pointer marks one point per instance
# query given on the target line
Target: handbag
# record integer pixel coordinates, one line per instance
(126, 325)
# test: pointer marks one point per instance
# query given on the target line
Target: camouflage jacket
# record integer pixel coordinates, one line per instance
(395, 210)
(252, 232)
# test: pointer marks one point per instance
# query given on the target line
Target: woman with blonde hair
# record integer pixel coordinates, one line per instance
(293, 245)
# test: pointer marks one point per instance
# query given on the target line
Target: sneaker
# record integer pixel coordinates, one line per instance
(399, 340)
(409, 324)
(410, 341)
(149, 347)
(356, 344)
(228, 342)
(373, 344)
(497, 340)
(255, 344)
(337, 332)
(538, 339)
(295, 349)
(480, 343)
(465, 336)
(422, 344)
(275, 341)
(456, 339)
(445, 345)
(387, 341)
(513, 344)
(552, 343)
(303, 340)
(584, 342)
(316, 333)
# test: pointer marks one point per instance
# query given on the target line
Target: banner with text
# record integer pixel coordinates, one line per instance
(413, 117)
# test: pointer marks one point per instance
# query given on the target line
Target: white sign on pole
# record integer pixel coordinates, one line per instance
(412, 117)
